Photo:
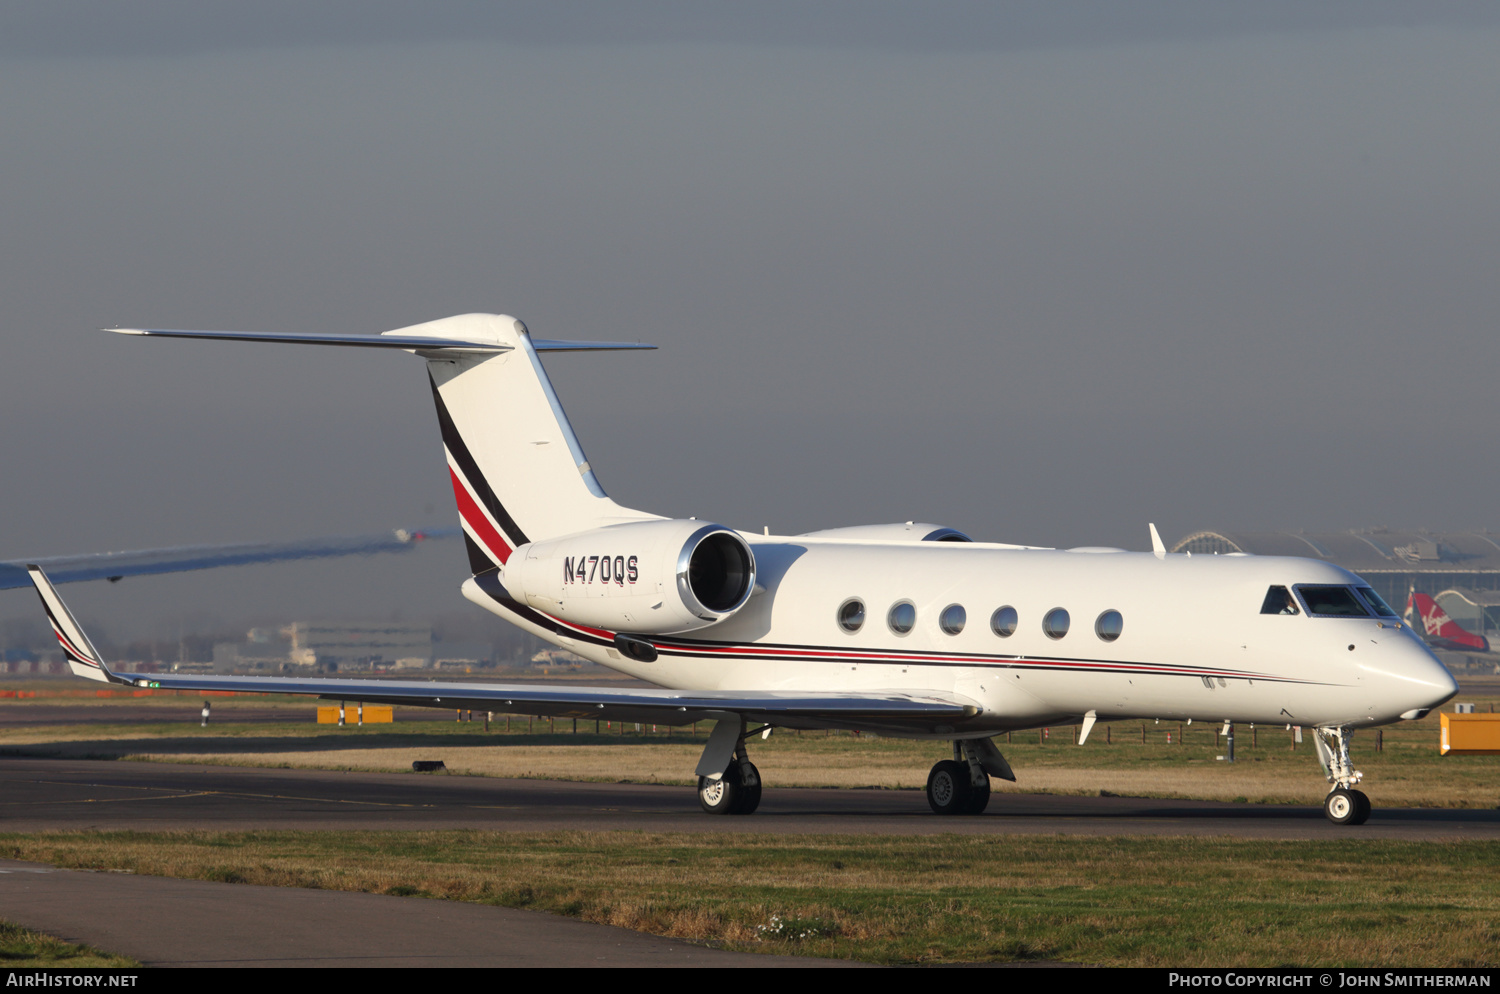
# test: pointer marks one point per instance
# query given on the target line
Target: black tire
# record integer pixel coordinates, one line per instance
(1341, 806)
(749, 794)
(721, 796)
(1361, 807)
(979, 797)
(949, 789)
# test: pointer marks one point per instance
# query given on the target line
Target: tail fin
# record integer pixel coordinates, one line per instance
(83, 659)
(1441, 630)
(517, 470)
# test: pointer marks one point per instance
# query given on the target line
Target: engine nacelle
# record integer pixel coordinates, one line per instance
(648, 577)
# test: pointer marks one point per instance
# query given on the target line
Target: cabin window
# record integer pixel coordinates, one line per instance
(1109, 626)
(1279, 601)
(852, 615)
(1003, 622)
(1332, 602)
(1056, 623)
(903, 618)
(952, 619)
(1376, 602)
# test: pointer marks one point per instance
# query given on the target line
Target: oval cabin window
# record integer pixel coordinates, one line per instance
(852, 615)
(1003, 622)
(1109, 626)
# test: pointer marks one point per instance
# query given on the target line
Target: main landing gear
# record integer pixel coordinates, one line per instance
(961, 785)
(736, 790)
(1345, 804)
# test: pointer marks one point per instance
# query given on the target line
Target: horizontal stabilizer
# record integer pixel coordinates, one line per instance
(423, 344)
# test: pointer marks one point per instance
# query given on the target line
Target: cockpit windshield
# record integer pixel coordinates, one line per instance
(1376, 602)
(1332, 602)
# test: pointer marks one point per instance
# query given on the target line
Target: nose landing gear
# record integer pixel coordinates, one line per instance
(1345, 803)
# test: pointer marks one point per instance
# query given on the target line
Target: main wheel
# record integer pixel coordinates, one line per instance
(749, 798)
(949, 790)
(721, 796)
(979, 797)
(1361, 807)
(1342, 806)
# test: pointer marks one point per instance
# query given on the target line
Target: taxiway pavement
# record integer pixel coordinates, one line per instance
(63, 794)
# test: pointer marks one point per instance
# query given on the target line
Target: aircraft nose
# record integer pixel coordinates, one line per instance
(1429, 682)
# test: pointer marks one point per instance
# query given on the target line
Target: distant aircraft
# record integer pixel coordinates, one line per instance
(1441, 631)
(183, 558)
(902, 630)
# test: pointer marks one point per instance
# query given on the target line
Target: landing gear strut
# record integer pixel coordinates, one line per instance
(1344, 805)
(959, 786)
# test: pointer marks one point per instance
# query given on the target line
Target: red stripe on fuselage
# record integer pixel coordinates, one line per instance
(476, 519)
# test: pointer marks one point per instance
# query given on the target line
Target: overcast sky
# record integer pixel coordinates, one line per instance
(1041, 272)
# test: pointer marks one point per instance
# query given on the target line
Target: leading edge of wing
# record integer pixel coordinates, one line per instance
(667, 707)
(184, 558)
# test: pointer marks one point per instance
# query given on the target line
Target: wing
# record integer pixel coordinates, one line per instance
(143, 562)
(895, 711)
(424, 345)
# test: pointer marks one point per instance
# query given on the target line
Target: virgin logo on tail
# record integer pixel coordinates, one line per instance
(1441, 630)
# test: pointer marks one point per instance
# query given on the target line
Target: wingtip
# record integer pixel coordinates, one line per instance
(126, 331)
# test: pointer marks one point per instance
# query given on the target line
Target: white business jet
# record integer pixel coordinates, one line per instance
(902, 630)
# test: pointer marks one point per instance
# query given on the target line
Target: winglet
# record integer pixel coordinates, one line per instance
(1157, 546)
(83, 658)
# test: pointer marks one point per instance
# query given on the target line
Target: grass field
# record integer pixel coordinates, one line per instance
(937, 899)
(21, 948)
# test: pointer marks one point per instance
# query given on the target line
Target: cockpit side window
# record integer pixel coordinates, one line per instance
(1279, 601)
(1332, 602)
(1377, 603)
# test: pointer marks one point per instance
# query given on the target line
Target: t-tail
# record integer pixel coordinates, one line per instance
(518, 472)
(1441, 631)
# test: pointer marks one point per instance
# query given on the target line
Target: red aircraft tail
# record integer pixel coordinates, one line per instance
(1440, 630)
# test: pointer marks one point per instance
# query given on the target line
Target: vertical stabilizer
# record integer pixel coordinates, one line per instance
(518, 471)
(1441, 630)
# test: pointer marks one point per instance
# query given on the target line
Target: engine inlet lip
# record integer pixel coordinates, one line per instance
(684, 562)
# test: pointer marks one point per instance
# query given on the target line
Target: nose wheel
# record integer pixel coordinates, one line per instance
(1345, 803)
(1344, 806)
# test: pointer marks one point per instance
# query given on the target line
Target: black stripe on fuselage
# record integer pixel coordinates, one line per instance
(470, 469)
(489, 582)
(816, 654)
